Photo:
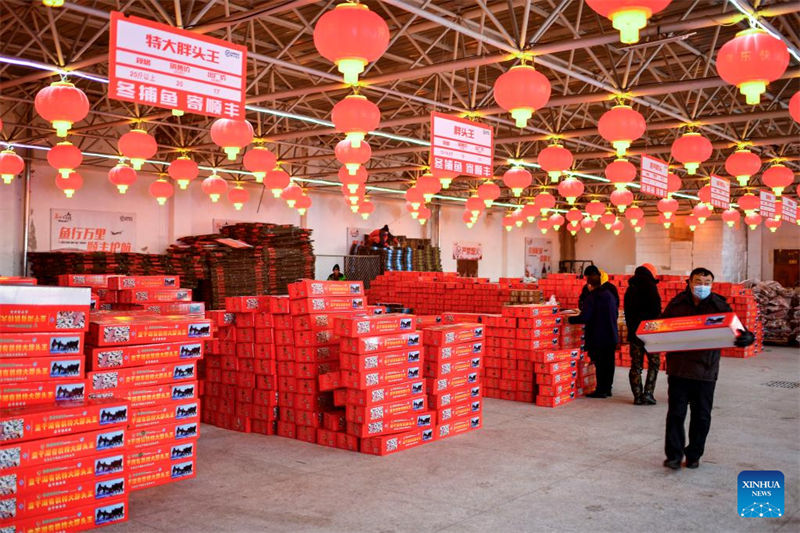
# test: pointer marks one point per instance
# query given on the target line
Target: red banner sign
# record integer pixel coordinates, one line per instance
(462, 146)
(158, 65)
(654, 176)
(789, 213)
(720, 192)
(767, 209)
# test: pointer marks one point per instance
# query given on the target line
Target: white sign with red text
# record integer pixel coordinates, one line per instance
(92, 231)
(767, 208)
(462, 146)
(158, 65)
(720, 192)
(654, 176)
(789, 212)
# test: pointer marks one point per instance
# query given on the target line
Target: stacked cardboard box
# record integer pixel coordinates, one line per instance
(17, 280)
(745, 306)
(453, 368)
(47, 266)
(63, 464)
(151, 361)
(240, 386)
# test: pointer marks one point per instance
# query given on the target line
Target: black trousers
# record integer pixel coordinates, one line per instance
(684, 393)
(603, 359)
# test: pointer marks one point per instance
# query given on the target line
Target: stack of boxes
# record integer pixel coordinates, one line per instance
(453, 368)
(745, 306)
(63, 461)
(151, 361)
(240, 387)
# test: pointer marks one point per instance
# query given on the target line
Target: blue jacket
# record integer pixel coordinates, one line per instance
(600, 312)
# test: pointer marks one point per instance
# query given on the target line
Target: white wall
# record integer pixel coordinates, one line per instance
(11, 228)
(786, 237)
(611, 253)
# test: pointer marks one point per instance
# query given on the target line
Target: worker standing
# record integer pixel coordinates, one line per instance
(642, 302)
(336, 274)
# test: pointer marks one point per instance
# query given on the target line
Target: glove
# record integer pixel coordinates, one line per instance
(745, 339)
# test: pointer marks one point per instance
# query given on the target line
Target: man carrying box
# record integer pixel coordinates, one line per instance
(693, 374)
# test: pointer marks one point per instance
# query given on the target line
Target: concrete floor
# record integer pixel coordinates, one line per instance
(589, 465)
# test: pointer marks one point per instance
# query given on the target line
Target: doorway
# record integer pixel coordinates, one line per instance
(467, 268)
(786, 270)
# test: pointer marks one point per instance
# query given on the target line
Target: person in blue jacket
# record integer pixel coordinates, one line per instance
(599, 313)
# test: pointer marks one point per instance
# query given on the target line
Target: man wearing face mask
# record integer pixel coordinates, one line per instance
(693, 375)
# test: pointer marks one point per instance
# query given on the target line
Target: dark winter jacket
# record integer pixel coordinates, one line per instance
(600, 312)
(608, 285)
(642, 301)
(702, 365)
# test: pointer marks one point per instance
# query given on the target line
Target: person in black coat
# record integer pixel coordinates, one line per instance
(599, 313)
(607, 285)
(642, 302)
(693, 374)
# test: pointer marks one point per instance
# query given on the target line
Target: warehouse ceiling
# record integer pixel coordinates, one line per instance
(443, 56)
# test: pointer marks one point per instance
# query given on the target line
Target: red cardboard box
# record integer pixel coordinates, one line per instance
(382, 343)
(61, 448)
(455, 381)
(556, 390)
(144, 354)
(459, 410)
(307, 288)
(447, 368)
(117, 331)
(554, 356)
(40, 344)
(80, 518)
(555, 367)
(385, 411)
(457, 351)
(41, 368)
(147, 396)
(176, 308)
(542, 322)
(151, 455)
(145, 376)
(143, 282)
(17, 280)
(360, 326)
(389, 444)
(34, 308)
(380, 377)
(317, 321)
(62, 418)
(156, 435)
(41, 392)
(361, 363)
(161, 473)
(686, 333)
(530, 311)
(377, 395)
(327, 303)
(554, 401)
(398, 424)
(455, 396)
(457, 426)
(154, 295)
(452, 334)
(95, 281)
(160, 414)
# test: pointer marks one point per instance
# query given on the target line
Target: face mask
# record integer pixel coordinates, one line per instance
(702, 291)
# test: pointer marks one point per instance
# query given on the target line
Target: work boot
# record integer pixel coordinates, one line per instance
(596, 394)
(638, 400)
(648, 399)
(692, 463)
(674, 464)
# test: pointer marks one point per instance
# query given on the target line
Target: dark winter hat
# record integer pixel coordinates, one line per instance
(336, 267)
(591, 270)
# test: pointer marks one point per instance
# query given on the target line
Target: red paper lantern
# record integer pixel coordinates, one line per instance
(413, 210)
(570, 189)
(474, 205)
(355, 116)
(742, 164)
(692, 222)
(794, 106)
(574, 228)
(543, 224)
(545, 201)
(352, 157)
(622, 198)
(183, 170)
(468, 219)
(214, 186)
(353, 199)
(70, 184)
(122, 176)
(415, 197)
(488, 192)
(704, 194)
(668, 207)
(352, 182)
(772, 224)
(62, 105)
(350, 36)
(137, 145)
(517, 179)
(731, 217)
(259, 161)
(750, 203)
(777, 178)
(231, 134)
(620, 172)
(508, 222)
(596, 209)
(445, 177)
(365, 209)
(607, 220)
(751, 60)
(64, 157)
(639, 225)
(238, 196)
(276, 181)
(11, 165)
(691, 149)
(666, 222)
(429, 186)
(556, 221)
(617, 227)
(752, 220)
(302, 204)
(628, 16)
(161, 190)
(555, 160)
(291, 194)
(423, 215)
(574, 215)
(702, 212)
(621, 125)
(588, 224)
(522, 90)
(518, 219)
(634, 215)
(530, 211)
(674, 184)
